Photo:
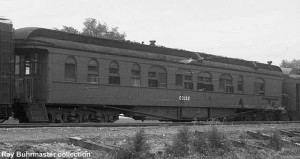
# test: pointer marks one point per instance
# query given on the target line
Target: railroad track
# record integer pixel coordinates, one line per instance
(36, 125)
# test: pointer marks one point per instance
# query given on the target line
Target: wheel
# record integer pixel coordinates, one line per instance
(78, 118)
(50, 118)
(58, 118)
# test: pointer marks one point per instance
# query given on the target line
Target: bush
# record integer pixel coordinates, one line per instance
(215, 138)
(200, 144)
(208, 143)
(180, 145)
(135, 148)
(275, 141)
(218, 140)
(211, 142)
(243, 139)
(24, 148)
(123, 153)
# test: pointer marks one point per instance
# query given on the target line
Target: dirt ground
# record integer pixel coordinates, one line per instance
(55, 140)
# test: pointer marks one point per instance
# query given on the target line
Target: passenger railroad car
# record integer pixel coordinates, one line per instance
(291, 92)
(6, 71)
(63, 77)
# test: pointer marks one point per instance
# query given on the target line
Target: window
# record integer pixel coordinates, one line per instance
(225, 83)
(204, 82)
(183, 79)
(240, 84)
(157, 77)
(259, 86)
(17, 65)
(136, 75)
(36, 64)
(70, 69)
(28, 70)
(114, 73)
(93, 71)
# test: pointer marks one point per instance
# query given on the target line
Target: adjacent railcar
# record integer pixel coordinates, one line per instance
(6, 71)
(291, 92)
(62, 77)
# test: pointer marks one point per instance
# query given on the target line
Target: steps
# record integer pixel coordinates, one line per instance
(37, 113)
(3, 112)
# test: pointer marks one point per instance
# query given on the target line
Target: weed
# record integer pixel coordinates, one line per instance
(180, 145)
(140, 141)
(276, 141)
(123, 153)
(135, 148)
(23, 148)
(217, 139)
(200, 144)
(243, 139)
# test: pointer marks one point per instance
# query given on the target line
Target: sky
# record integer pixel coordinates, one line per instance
(254, 30)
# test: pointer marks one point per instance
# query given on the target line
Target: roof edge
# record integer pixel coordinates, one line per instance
(31, 32)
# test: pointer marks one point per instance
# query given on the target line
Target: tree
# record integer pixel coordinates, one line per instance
(92, 27)
(68, 29)
(290, 64)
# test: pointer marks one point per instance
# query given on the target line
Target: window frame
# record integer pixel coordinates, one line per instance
(259, 86)
(184, 79)
(206, 84)
(93, 74)
(136, 75)
(68, 65)
(240, 84)
(157, 77)
(113, 71)
(226, 83)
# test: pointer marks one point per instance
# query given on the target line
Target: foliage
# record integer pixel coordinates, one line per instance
(25, 148)
(134, 148)
(180, 145)
(200, 143)
(22, 147)
(243, 138)
(212, 142)
(95, 28)
(215, 138)
(295, 63)
(140, 142)
(69, 30)
(276, 141)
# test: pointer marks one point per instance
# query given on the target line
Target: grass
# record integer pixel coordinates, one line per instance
(180, 144)
(211, 143)
(216, 139)
(200, 143)
(275, 141)
(135, 148)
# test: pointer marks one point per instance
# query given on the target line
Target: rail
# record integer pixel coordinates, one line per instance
(36, 125)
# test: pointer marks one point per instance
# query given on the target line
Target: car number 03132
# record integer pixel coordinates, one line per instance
(184, 98)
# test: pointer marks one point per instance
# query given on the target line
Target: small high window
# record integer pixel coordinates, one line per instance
(157, 77)
(70, 69)
(225, 83)
(93, 71)
(204, 82)
(28, 65)
(114, 77)
(17, 65)
(240, 84)
(259, 86)
(136, 75)
(184, 79)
